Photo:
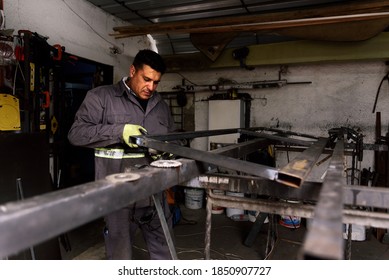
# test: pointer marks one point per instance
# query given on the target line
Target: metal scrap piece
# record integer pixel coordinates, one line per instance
(165, 163)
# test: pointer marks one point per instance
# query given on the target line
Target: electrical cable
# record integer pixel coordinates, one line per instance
(386, 77)
(90, 26)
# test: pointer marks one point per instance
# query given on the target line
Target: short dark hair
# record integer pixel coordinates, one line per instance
(150, 58)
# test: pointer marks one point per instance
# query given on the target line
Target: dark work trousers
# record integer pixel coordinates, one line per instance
(122, 225)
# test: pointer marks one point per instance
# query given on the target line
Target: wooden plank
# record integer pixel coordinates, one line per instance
(332, 10)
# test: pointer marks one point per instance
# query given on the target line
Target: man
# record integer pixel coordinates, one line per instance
(105, 121)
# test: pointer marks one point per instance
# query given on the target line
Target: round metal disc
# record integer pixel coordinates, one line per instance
(166, 163)
(122, 177)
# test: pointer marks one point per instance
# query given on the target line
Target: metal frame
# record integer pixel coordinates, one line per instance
(34, 220)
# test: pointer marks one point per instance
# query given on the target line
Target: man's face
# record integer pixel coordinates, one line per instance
(144, 81)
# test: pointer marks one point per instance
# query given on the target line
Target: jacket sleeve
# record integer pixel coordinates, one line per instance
(89, 128)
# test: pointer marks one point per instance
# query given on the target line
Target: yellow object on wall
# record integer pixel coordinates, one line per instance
(9, 112)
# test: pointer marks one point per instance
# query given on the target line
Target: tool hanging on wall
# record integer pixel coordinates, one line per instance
(9, 113)
(229, 85)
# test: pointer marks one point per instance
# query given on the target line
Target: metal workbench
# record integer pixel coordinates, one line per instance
(330, 203)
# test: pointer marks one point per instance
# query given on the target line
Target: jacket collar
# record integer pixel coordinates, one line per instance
(124, 89)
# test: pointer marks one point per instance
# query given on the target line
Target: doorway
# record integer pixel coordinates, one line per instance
(74, 78)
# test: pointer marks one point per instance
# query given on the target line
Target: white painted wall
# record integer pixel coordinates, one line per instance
(80, 27)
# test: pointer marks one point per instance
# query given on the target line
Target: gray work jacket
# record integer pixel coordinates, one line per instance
(100, 120)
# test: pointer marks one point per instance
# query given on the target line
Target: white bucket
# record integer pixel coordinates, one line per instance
(215, 208)
(358, 233)
(193, 198)
(234, 211)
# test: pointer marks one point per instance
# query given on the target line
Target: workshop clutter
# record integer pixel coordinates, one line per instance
(9, 113)
(234, 213)
(290, 221)
(215, 208)
(194, 198)
(356, 232)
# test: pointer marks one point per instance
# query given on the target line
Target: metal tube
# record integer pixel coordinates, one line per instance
(37, 219)
(208, 226)
(278, 138)
(242, 149)
(190, 134)
(324, 240)
(363, 196)
(216, 159)
(165, 228)
(349, 216)
(294, 173)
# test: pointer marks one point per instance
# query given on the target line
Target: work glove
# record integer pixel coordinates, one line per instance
(132, 130)
(161, 155)
(157, 155)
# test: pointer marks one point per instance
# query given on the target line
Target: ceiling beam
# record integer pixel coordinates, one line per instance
(358, 11)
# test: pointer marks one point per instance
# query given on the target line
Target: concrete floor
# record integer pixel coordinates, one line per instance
(227, 241)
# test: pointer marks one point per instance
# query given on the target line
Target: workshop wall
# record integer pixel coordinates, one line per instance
(340, 94)
(80, 27)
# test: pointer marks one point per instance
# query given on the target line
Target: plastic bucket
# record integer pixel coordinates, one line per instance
(358, 233)
(290, 221)
(217, 209)
(193, 198)
(234, 211)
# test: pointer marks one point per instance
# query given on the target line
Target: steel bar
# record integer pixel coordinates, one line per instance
(348, 146)
(278, 138)
(191, 134)
(20, 196)
(218, 160)
(274, 206)
(37, 219)
(165, 228)
(242, 149)
(361, 196)
(326, 151)
(34, 220)
(325, 238)
(309, 191)
(349, 216)
(208, 225)
(295, 172)
(282, 132)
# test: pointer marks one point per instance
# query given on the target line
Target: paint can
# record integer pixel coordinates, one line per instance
(290, 221)
(358, 232)
(194, 198)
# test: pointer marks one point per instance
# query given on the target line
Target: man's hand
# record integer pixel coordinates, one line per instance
(132, 130)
